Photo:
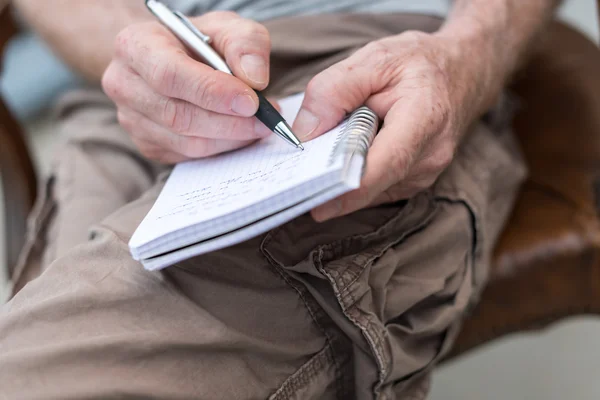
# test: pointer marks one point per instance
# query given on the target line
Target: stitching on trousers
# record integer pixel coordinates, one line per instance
(476, 247)
(373, 343)
(303, 376)
(314, 311)
(346, 293)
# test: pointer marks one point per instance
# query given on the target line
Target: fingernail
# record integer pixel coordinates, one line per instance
(255, 68)
(244, 104)
(261, 129)
(305, 124)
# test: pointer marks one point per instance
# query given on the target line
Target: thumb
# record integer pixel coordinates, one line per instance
(329, 96)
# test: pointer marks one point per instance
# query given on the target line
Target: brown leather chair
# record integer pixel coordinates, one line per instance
(547, 263)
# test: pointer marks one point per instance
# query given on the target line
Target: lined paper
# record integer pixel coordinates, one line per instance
(218, 188)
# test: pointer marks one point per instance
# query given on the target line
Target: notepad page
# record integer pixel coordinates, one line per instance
(261, 226)
(215, 188)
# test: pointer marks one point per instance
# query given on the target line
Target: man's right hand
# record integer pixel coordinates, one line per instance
(176, 108)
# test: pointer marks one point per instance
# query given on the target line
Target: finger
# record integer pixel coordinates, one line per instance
(178, 116)
(423, 174)
(244, 43)
(161, 60)
(335, 92)
(154, 152)
(388, 162)
(403, 190)
(141, 128)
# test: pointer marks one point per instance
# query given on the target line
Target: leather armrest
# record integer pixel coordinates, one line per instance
(547, 262)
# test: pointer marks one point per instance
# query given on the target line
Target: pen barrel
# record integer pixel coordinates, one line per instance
(266, 113)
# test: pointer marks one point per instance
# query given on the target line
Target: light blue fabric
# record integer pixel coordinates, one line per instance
(32, 76)
(261, 10)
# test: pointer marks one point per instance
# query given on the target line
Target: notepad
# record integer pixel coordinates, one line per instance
(216, 202)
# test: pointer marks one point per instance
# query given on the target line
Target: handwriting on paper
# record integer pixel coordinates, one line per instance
(230, 191)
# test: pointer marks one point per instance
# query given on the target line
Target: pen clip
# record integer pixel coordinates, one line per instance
(192, 27)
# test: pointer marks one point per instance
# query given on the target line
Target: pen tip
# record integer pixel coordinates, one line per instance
(301, 147)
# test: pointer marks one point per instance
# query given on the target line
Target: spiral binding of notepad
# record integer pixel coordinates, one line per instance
(356, 135)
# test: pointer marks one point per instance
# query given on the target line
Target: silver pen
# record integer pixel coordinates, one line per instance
(199, 43)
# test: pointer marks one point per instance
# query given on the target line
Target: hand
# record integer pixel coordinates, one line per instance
(420, 86)
(176, 108)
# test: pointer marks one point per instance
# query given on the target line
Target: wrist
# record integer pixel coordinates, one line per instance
(480, 71)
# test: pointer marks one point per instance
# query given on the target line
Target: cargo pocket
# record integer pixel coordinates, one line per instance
(340, 265)
(407, 294)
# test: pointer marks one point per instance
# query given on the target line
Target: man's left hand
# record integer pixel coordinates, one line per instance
(427, 95)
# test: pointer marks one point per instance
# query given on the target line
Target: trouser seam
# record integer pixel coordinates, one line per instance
(316, 314)
(304, 374)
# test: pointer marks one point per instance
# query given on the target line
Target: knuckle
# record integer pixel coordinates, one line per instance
(379, 54)
(378, 48)
(164, 72)
(422, 64)
(415, 38)
(262, 31)
(379, 60)
(161, 74)
(208, 92)
(258, 32)
(247, 28)
(228, 42)
(247, 37)
(122, 41)
(436, 110)
(314, 85)
(314, 90)
(176, 116)
(440, 112)
(323, 84)
(328, 97)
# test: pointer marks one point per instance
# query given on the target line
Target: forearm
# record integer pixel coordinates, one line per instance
(494, 37)
(82, 32)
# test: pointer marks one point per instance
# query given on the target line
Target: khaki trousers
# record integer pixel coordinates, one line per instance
(361, 307)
